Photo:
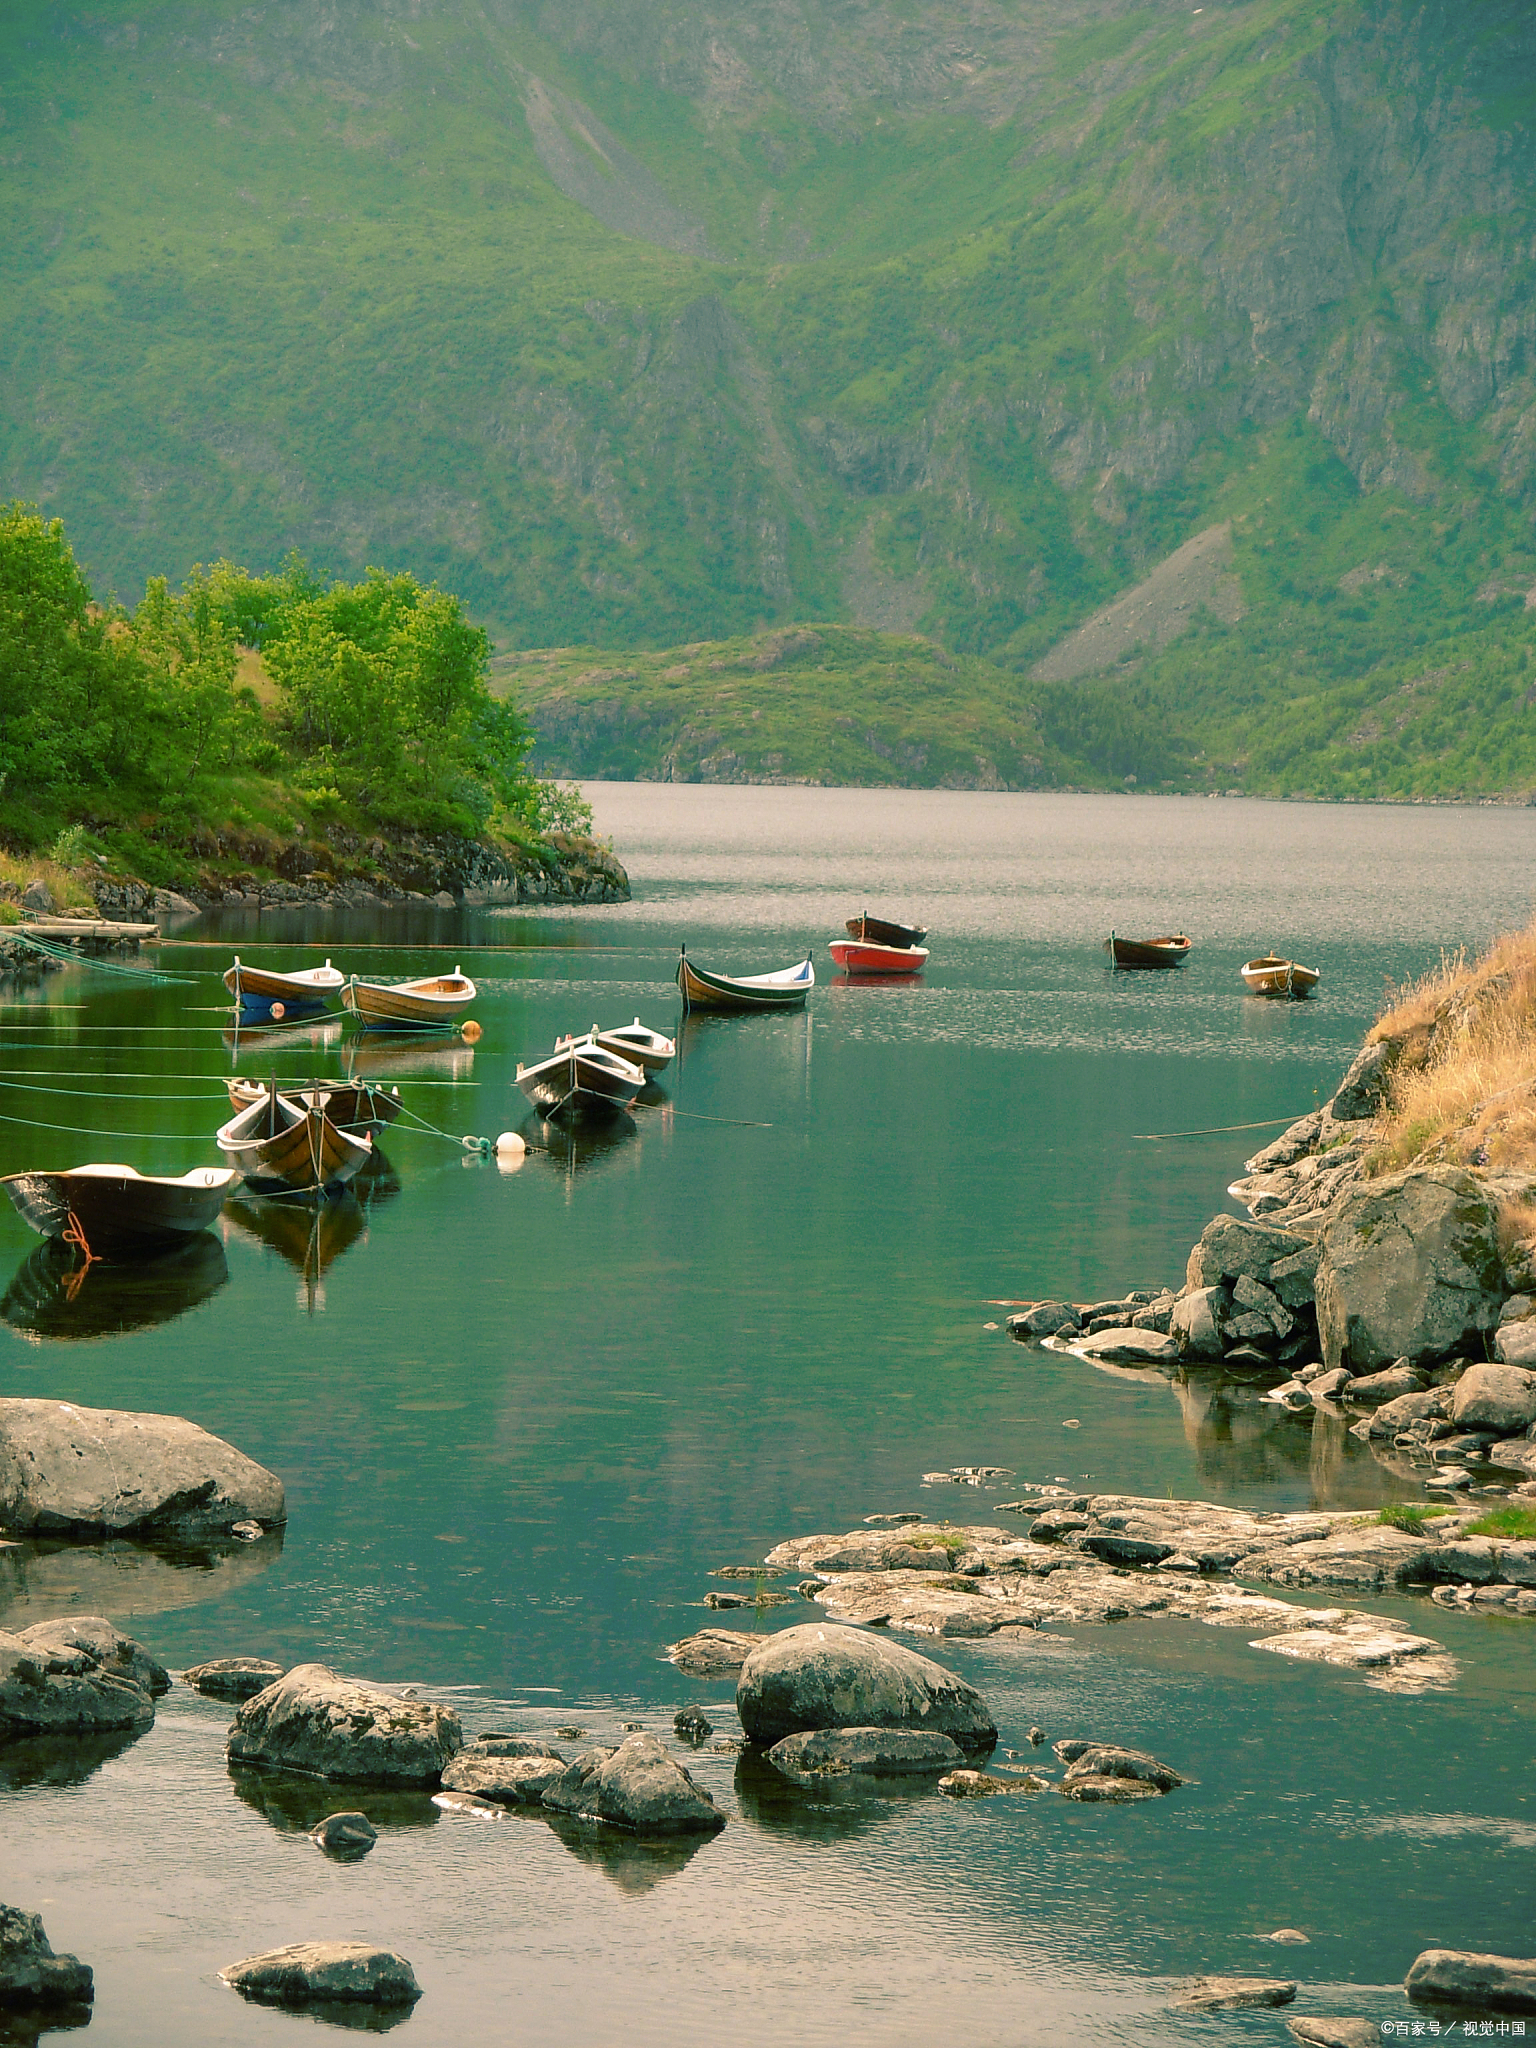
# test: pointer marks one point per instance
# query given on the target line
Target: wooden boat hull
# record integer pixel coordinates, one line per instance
(638, 1044)
(1287, 979)
(1169, 952)
(283, 1147)
(261, 993)
(856, 957)
(580, 1080)
(352, 1106)
(440, 1000)
(785, 990)
(113, 1205)
(882, 931)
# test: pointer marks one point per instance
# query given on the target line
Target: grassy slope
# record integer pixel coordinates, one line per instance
(278, 279)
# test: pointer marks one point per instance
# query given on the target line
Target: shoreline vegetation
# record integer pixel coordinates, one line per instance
(267, 739)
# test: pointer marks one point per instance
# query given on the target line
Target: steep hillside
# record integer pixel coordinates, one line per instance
(639, 324)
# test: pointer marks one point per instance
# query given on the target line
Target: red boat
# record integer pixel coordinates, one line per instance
(862, 956)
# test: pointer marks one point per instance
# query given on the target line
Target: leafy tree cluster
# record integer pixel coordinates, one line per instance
(382, 702)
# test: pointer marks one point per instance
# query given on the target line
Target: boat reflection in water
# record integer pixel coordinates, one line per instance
(411, 1052)
(54, 1294)
(310, 1232)
(243, 1039)
(580, 1150)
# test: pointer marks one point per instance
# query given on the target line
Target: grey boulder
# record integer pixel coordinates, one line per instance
(1453, 1976)
(1229, 1248)
(311, 1971)
(315, 1721)
(1213, 1994)
(1515, 1343)
(72, 1471)
(827, 1677)
(346, 1836)
(1410, 1269)
(1126, 1345)
(506, 1780)
(233, 1678)
(1197, 1321)
(46, 1692)
(30, 1972)
(1111, 1760)
(1372, 1388)
(1497, 1397)
(875, 1752)
(1361, 1091)
(102, 1646)
(637, 1786)
(1045, 1319)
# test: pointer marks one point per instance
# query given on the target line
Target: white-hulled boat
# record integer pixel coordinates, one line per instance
(410, 1005)
(261, 992)
(280, 1146)
(116, 1205)
(1272, 976)
(350, 1105)
(785, 989)
(580, 1078)
(639, 1044)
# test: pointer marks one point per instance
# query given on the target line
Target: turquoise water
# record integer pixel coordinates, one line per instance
(521, 1416)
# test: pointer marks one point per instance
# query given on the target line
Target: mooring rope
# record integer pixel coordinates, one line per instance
(153, 976)
(1219, 1130)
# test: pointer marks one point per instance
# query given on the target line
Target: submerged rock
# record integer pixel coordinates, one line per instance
(72, 1471)
(636, 1786)
(873, 1752)
(1212, 1994)
(233, 1678)
(828, 1677)
(308, 1972)
(30, 1972)
(315, 1721)
(346, 1836)
(64, 1692)
(1453, 1976)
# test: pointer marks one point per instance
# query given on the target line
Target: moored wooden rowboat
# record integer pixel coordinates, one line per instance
(350, 1105)
(580, 1078)
(100, 1205)
(1169, 951)
(880, 931)
(1272, 976)
(855, 956)
(285, 1147)
(639, 1044)
(785, 989)
(262, 993)
(435, 999)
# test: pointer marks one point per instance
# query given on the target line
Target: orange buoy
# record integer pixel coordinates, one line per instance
(470, 1032)
(278, 1013)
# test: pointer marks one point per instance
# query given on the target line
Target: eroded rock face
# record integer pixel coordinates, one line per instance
(1453, 1976)
(818, 1676)
(1410, 1269)
(315, 1721)
(30, 1972)
(1501, 1398)
(636, 1786)
(105, 1647)
(64, 1692)
(311, 1971)
(72, 1471)
(875, 1752)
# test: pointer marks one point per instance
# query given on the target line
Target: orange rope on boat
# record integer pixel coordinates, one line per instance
(73, 1234)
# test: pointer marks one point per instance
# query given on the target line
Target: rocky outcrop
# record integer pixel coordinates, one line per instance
(101, 1645)
(314, 1972)
(30, 1973)
(638, 1787)
(314, 1721)
(817, 1676)
(1410, 1269)
(63, 1692)
(72, 1471)
(1452, 1976)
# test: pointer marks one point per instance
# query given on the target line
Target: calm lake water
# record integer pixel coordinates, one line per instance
(521, 1416)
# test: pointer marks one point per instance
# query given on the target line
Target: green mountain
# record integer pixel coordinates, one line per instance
(1170, 370)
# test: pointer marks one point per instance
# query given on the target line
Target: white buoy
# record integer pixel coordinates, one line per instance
(510, 1146)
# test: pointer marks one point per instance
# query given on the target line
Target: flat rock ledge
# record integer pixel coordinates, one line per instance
(815, 1676)
(1217, 1994)
(30, 1972)
(1453, 1976)
(870, 1752)
(233, 1678)
(72, 1471)
(1107, 1557)
(310, 1972)
(315, 1721)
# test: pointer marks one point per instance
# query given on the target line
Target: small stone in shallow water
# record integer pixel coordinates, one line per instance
(310, 1971)
(981, 1785)
(1290, 1934)
(571, 1734)
(30, 1973)
(749, 1571)
(690, 1724)
(890, 1521)
(234, 1678)
(1036, 1737)
(1072, 1423)
(1209, 1994)
(248, 1532)
(938, 1479)
(721, 1600)
(632, 1727)
(345, 1836)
